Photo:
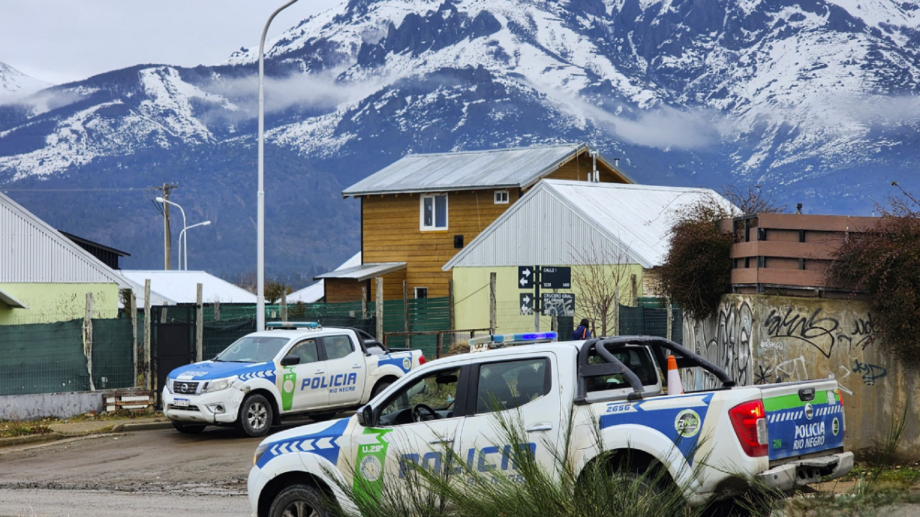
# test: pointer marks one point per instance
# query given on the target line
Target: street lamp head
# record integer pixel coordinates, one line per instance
(159, 199)
(206, 223)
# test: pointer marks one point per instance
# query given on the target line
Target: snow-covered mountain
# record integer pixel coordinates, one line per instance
(816, 98)
(15, 84)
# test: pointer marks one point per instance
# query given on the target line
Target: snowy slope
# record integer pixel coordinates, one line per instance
(14, 84)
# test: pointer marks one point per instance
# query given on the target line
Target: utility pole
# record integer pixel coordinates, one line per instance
(167, 236)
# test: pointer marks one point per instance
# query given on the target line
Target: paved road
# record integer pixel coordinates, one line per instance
(141, 473)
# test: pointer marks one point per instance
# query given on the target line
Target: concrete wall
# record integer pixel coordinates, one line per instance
(57, 302)
(59, 405)
(471, 297)
(762, 339)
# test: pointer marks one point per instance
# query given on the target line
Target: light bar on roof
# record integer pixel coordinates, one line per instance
(478, 344)
(292, 325)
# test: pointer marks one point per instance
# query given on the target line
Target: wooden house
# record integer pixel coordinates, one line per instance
(417, 213)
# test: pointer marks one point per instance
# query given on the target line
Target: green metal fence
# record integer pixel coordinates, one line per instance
(113, 357)
(650, 318)
(42, 358)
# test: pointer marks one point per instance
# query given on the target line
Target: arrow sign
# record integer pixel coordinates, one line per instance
(526, 304)
(525, 277)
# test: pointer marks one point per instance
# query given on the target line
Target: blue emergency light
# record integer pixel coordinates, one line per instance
(502, 339)
(292, 325)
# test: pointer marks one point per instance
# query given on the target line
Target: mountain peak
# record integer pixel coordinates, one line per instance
(15, 84)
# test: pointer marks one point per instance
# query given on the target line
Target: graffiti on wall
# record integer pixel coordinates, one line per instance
(724, 340)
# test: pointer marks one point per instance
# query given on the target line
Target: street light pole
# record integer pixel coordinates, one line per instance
(166, 201)
(182, 234)
(260, 224)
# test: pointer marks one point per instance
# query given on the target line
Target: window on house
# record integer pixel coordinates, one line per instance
(501, 197)
(434, 212)
(421, 292)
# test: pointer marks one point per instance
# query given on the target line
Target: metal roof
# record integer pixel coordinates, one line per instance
(365, 271)
(11, 301)
(470, 170)
(31, 251)
(313, 293)
(560, 222)
(81, 240)
(181, 286)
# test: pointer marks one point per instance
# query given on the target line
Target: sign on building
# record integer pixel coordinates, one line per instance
(558, 304)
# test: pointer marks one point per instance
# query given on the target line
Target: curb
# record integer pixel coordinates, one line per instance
(144, 426)
(32, 438)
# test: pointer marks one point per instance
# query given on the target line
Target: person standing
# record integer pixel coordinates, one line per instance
(582, 332)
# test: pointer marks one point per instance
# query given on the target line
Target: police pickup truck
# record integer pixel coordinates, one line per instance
(784, 434)
(293, 368)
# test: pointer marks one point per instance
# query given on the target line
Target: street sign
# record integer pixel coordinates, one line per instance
(556, 277)
(525, 277)
(558, 304)
(526, 304)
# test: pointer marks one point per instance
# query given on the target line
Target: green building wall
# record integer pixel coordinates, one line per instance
(57, 302)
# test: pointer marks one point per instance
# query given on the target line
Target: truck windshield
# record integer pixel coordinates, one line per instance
(253, 349)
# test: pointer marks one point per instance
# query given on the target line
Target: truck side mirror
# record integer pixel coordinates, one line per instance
(365, 416)
(290, 360)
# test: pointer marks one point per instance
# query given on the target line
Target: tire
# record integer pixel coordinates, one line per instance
(298, 501)
(322, 417)
(255, 417)
(379, 388)
(188, 428)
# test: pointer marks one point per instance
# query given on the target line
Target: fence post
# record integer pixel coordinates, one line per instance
(450, 309)
(670, 317)
(437, 354)
(283, 303)
(634, 298)
(379, 308)
(492, 316)
(199, 324)
(147, 367)
(406, 310)
(364, 303)
(88, 338)
(616, 310)
(216, 310)
(134, 335)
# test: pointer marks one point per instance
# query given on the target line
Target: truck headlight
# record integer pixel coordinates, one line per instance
(169, 383)
(218, 385)
(260, 450)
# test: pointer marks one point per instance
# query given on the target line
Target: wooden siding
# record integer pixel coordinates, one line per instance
(391, 234)
(339, 290)
(578, 169)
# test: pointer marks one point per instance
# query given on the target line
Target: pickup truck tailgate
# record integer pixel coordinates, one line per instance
(803, 418)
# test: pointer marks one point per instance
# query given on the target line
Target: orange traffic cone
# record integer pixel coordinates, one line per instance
(674, 385)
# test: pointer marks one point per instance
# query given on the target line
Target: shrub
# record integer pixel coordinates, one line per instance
(697, 270)
(885, 264)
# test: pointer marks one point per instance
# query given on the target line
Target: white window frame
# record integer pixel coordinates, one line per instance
(434, 219)
(416, 292)
(498, 201)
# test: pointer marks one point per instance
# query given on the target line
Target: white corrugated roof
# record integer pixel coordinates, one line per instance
(181, 286)
(559, 220)
(469, 170)
(314, 293)
(365, 271)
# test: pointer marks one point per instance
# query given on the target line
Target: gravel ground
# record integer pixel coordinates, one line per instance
(158, 472)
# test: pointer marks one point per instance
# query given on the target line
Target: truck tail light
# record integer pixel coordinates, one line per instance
(421, 360)
(750, 426)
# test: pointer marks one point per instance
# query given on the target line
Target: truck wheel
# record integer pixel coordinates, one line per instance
(298, 501)
(322, 417)
(379, 388)
(188, 428)
(255, 418)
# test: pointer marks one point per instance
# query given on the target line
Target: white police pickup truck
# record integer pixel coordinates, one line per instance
(785, 434)
(294, 368)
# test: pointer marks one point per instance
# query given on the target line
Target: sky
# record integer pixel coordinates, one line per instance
(59, 41)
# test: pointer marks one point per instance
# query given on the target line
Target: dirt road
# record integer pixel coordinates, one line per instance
(141, 473)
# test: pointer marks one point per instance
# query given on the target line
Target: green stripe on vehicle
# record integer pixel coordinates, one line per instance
(792, 401)
(369, 466)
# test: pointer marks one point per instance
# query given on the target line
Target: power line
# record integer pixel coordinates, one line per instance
(129, 189)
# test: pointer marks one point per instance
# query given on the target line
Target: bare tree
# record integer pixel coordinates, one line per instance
(755, 200)
(600, 274)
